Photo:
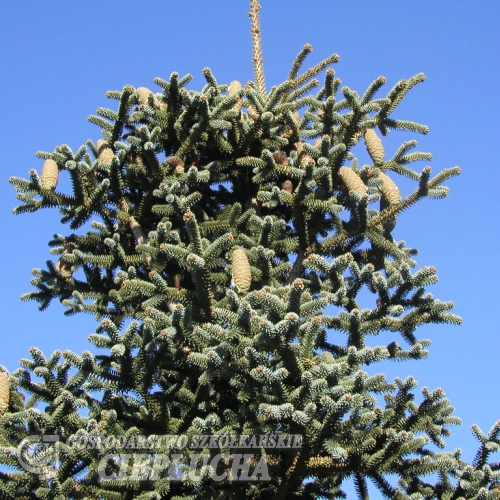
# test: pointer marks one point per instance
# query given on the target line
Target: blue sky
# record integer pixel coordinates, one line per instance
(58, 60)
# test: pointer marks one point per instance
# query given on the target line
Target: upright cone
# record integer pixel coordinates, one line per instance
(234, 87)
(352, 180)
(177, 163)
(50, 175)
(4, 392)
(390, 196)
(374, 146)
(287, 186)
(389, 189)
(104, 151)
(137, 231)
(242, 275)
(280, 158)
(143, 94)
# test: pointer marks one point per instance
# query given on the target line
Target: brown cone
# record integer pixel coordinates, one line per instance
(62, 267)
(287, 186)
(177, 163)
(280, 158)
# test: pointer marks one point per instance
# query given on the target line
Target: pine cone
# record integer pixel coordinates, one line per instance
(178, 163)
(374, 146)
(143, 94)
(389, 189)
(280, 158)
(390, 196)
(352, 180)
(64, 268)
(287, 186)
(4, 392)
(137, 231)
(104, 151)
(242, 275)
(234, 87)
(50, 175)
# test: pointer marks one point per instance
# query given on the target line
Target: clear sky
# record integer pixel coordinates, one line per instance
(59, 58)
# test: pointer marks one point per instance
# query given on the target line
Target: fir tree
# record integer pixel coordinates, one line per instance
(232, 233)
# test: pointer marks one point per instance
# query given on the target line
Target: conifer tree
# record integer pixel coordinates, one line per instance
(222, 238)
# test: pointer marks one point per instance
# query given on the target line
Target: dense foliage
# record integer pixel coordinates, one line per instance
(223, 239)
